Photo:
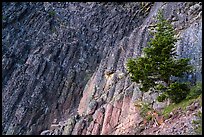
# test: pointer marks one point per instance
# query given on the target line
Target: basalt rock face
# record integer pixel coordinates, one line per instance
(63, 64)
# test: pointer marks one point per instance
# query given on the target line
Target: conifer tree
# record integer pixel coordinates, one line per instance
(159, 62)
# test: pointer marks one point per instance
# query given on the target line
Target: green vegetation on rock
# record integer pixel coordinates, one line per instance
(195, 91)
(183, 105)
(144, 108)
(198, 123)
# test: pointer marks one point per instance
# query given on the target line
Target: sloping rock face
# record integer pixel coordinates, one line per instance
(180, 122)
(63, 64)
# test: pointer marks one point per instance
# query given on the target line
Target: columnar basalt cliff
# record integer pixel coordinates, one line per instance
(64, 64)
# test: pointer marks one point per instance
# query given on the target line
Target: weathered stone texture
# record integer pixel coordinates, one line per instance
(67, 61)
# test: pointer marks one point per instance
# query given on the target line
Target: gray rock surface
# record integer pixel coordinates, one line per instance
(57, 58)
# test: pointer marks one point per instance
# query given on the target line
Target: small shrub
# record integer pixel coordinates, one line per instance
(145, 107)
(195, 91)
(148, 117)
(148, 113)
(178, 91)
(161, 97)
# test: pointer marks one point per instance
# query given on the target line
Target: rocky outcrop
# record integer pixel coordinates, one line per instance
(179, 123)
(63, 64)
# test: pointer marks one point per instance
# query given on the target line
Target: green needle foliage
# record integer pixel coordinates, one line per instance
(159, 62)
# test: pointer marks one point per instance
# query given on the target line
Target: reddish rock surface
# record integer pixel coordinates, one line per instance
(106, 124)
